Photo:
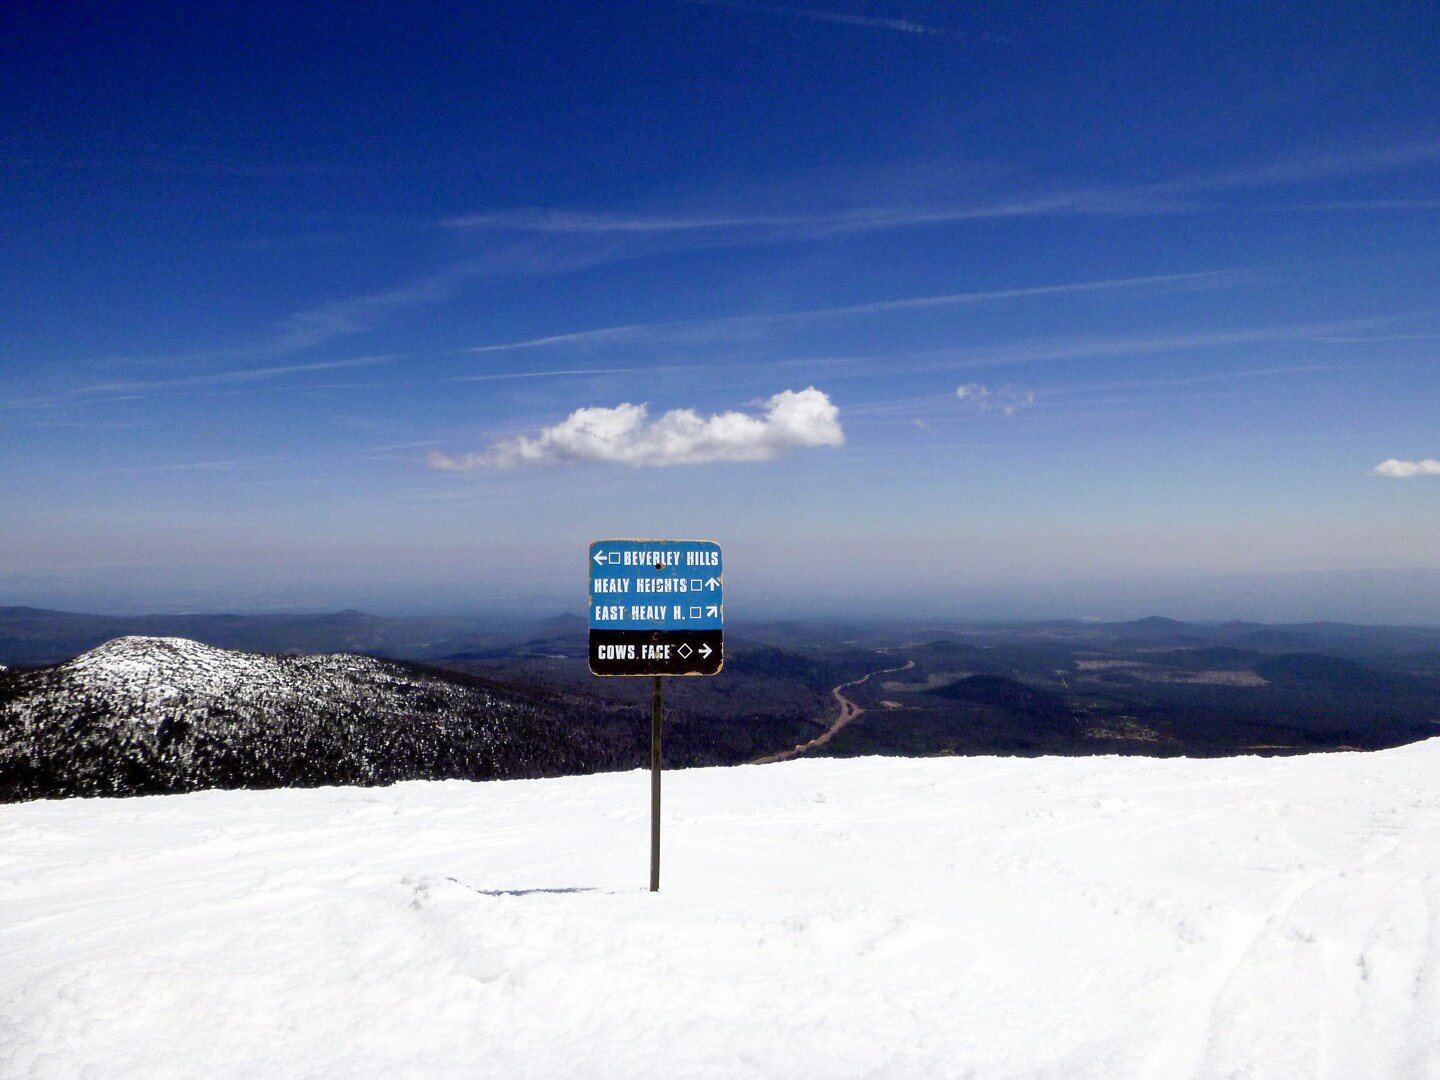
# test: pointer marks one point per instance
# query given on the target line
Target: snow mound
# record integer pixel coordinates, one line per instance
(882, 918)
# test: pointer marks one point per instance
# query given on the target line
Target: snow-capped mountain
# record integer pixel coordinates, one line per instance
(138, 668)
(142, 714)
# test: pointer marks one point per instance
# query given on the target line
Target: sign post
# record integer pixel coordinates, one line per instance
(656, 609)
(656, 762)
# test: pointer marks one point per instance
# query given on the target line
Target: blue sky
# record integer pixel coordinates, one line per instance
(312, 309)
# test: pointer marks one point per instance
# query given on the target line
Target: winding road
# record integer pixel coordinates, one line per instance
(848, 712)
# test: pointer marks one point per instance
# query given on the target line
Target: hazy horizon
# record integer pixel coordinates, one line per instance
(1393, 597)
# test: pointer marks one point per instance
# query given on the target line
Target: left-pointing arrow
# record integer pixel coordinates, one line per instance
(599, 558)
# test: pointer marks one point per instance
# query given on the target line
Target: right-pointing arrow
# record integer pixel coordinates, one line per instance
(705, 651)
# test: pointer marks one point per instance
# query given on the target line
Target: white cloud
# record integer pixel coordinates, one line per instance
(625, 435)
(1005, 399)
(1400, 470)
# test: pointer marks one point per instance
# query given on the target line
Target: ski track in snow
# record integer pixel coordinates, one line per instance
(870, 918)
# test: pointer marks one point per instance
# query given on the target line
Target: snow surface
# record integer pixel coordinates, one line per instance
(879, 918)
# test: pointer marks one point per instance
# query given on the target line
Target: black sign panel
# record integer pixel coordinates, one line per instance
(656, 652)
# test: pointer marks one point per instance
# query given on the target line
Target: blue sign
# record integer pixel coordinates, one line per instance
(656, 607)
(656, 585)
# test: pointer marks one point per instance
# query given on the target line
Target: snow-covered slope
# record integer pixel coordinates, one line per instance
(874, 918)
(139, 668)
(141, 714)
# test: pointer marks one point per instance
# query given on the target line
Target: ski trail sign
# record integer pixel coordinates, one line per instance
(656, 607)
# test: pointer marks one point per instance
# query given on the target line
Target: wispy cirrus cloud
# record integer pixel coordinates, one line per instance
(331, 321)
(219, 465)
(1377, 339)
(781, 226)
(625, 435)
(699, 226)
(1117, 345)
(671, 330)
(690, 229)
(1003, 399)
(1361, 158)
(321, 324)
(528, 241)
(825, 15)
(1403, 470)
(352, 315)
(556, 373)
(132, 388)
(1373, 204)
(980, 396)
(549, 241)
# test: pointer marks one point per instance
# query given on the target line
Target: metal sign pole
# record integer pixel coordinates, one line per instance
(655, 707)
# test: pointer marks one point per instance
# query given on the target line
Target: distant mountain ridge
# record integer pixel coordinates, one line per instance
(32, 636)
